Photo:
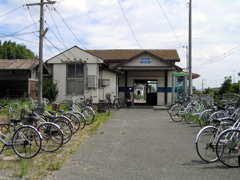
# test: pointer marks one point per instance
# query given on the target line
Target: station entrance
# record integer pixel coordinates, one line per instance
(145, 92)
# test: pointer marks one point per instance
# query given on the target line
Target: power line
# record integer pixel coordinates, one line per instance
(129, 25)
(170, 24)
(56, 27)
(11, 11)
(11, 35)
(70, 29)
(218, 58)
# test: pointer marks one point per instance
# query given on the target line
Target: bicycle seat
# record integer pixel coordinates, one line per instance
(52, 112)
(60, 111)
(15, 120)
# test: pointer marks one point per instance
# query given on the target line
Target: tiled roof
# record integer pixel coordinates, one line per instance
(124, 54)
(18, 64)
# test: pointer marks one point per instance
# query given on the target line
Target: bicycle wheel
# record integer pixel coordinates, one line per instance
(52, 137)
(228, 148)
(191, 115)
(89, 115)
(169, 107)
(75, 121)
(206, 144)
(81, 119)
(27, 142)
(66, 129)
(103, 109)
(204, 118)
(177, 113)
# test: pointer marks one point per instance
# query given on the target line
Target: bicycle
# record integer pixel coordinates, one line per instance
(81, 107)
(52, 135)
(25, 140)
(192, 113)
(103, 108)
(206, 139)
(177, 110)
(228, 146)
(116, 103)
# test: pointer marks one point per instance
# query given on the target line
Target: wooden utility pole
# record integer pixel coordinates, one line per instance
(190, 49)
(41, 35)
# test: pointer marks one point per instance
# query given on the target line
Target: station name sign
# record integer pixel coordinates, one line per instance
(145, 60)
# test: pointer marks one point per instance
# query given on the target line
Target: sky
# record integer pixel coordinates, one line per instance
(134, 24)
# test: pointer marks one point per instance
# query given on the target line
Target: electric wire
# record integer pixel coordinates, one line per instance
(11, 11)
(226, 54)
(62, 42)
(169, 23)
(172, 30)
(33, 20)
(129, 25)
(70, 29)
(74, 57)
(12, 34)
(3, 36)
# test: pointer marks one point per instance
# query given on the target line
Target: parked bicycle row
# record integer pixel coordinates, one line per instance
(219, 138)
(32, 127)
(103, 107)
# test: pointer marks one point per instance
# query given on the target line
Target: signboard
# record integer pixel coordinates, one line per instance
(145, 60)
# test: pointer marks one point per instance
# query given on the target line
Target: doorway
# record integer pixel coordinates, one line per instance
(145, 92)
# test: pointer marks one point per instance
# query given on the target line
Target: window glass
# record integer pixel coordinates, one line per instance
(152, 86)
(75, 78)
(79, 87)
(71, 71)
(79, 71)
(70, 86)
(33, 74)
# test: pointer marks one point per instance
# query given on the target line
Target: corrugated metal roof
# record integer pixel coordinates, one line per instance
(124, 54)
(18, 64)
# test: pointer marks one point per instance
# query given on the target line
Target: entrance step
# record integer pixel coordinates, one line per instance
(148, 107)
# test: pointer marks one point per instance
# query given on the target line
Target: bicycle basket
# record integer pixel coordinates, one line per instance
(24, 113)
(108, 95)
(69, 103)
(40, 111)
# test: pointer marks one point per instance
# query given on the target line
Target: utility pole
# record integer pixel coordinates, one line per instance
(41, 35)
(190, 49)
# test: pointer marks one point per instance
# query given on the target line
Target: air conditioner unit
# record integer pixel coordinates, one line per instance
(91, 81)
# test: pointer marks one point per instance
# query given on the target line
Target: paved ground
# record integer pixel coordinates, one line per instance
(142, 144)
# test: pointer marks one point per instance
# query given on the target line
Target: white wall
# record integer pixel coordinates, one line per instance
(59, 76)
(111, 88)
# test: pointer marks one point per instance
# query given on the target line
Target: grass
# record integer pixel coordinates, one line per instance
(44, 163)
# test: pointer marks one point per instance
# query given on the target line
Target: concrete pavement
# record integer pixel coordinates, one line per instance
(142, 144)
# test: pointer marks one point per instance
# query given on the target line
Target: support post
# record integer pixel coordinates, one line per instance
(190, 49)
(41, 35)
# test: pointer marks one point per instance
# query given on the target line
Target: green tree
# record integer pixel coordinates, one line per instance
(50, 89)
(235, 88)
(12, 50)
(226, 86)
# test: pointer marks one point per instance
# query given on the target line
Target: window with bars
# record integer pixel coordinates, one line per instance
(75, 79)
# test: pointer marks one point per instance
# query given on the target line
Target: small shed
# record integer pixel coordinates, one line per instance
(18, 77)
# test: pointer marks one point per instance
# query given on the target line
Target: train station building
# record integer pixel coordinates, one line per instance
(150, 75)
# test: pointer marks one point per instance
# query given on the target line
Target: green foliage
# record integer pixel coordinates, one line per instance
(11, 50)
(226, 86)
(50, 89)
